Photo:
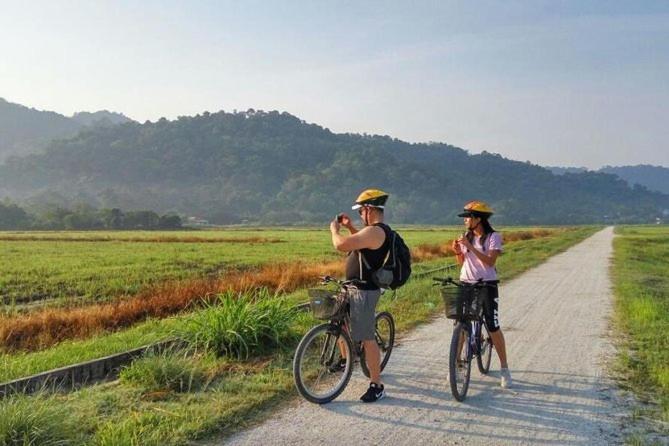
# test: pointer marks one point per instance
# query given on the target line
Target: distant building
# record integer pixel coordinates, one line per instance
(195, 221)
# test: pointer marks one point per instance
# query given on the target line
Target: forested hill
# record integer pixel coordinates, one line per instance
(25, 130)
(653, 177)
(272, 167)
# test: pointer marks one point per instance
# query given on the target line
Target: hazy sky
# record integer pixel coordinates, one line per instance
(557, 83)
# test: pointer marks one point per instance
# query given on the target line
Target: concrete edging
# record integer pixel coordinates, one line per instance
(83, 373)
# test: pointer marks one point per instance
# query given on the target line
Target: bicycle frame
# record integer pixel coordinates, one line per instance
(469, 321)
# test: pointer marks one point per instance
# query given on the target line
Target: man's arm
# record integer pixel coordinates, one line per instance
(370, 237)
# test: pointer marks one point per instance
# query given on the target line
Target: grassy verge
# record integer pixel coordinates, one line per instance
(641, 285)
(239, 392)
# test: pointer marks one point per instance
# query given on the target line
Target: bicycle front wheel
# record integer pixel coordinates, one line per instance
(485, 351)
(384, 334)
(323, 363)
(460, 361)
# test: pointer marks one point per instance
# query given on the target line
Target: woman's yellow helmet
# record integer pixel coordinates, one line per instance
(477, 209)
(371, 197)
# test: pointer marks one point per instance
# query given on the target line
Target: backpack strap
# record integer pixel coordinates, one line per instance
(386, 231)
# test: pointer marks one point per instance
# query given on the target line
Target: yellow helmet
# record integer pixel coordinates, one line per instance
(371, 197)
(476, 209)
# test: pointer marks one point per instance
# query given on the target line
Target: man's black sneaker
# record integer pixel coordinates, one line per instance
(374, 393)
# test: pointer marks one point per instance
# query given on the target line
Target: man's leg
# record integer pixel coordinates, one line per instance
(373, 359)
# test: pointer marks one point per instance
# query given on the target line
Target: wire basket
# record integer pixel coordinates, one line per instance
(326, 304)
(463, 302)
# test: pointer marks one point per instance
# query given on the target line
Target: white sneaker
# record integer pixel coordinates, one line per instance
(505, 380)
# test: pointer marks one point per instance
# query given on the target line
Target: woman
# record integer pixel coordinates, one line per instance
(477, 250)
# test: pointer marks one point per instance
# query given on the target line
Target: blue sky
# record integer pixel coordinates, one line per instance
(556, 83)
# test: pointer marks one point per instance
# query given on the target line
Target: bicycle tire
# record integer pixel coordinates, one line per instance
(385, 338)
(459, 382)
(485, 351)
(324, 337)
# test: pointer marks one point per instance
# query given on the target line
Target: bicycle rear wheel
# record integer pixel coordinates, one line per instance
(460, 361)
(323, 363)
(485, 351)
(384, 334)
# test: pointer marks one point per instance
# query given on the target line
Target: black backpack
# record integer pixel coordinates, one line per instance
(396, 267)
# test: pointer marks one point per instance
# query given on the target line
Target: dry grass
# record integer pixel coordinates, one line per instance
(45, 328)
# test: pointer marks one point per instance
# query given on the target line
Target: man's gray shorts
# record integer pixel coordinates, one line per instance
(363, 312)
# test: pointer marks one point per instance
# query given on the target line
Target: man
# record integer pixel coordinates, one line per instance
(367, 250)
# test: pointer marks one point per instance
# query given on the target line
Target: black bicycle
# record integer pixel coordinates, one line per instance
(464, 303)
(324, 358)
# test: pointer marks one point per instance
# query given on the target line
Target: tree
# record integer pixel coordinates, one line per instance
(141, 220)
(13, 217)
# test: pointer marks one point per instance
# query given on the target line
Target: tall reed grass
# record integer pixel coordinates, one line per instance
(240, 325)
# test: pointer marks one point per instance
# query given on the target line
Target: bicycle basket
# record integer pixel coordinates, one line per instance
(463, 302)
(325, 304)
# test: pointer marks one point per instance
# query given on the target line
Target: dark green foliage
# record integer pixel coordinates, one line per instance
(13, 217)
(273, 168)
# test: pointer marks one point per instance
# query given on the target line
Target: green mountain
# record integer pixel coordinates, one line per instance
(102, 117)
(26, 130)
(654, 178)
(272, 167)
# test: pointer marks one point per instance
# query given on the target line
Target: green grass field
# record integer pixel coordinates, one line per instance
(641, 281)
(231, 393)
(59, 267)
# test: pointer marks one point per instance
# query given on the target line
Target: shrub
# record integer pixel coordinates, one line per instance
(239, 325)
(165, 371)
(28, 421)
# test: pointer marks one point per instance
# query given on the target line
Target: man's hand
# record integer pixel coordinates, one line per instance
(335, 226)
(345, 220)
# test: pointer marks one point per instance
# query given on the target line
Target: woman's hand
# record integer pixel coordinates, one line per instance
(455, 246)
(464, 241)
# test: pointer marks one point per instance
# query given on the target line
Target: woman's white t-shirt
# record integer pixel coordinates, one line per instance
(474, 269)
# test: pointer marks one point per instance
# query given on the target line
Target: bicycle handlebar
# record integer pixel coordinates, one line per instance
(450, 280)
(330, 279)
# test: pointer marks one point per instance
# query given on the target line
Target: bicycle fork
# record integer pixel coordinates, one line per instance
(474, 344)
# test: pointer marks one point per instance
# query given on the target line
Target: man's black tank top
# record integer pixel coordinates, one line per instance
(374, 257)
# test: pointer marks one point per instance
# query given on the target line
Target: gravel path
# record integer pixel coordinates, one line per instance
(555, 319)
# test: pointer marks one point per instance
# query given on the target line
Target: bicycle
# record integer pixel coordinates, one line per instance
(464, 303)
(324, 358)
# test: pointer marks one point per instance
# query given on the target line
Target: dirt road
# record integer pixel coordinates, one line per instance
(555, 318)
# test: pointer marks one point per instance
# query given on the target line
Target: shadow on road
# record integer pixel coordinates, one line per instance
(542, 407)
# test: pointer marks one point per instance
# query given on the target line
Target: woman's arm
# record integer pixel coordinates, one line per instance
(488, 260)
(457, 250)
